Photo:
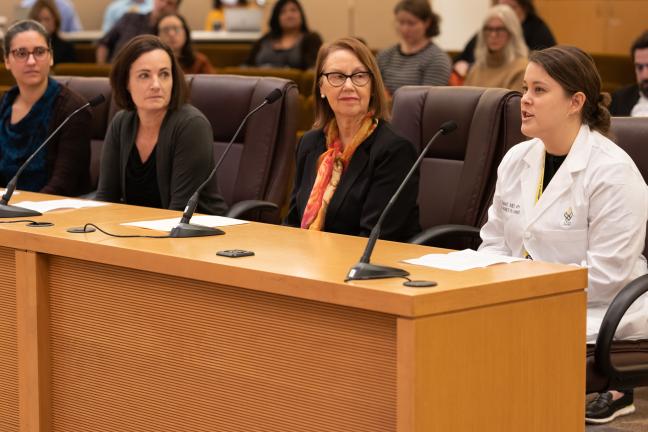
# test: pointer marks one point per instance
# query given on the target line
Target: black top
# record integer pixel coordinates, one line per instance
(308, 49)
(623, 100)
(63, 50)
(375, 171)
(552, 164)
(184, 157)
(537, 36)
(141, 180)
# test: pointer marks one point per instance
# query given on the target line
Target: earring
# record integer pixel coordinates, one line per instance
(323, 97)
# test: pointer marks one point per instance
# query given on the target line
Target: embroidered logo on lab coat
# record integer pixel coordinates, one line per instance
(568, 216)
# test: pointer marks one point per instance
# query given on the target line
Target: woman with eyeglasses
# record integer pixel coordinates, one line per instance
(174, 31)
(501, 53)
(352, 162)
(32, 109)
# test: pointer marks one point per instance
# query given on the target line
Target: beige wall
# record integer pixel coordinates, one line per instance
(601, 26)
(369, 19)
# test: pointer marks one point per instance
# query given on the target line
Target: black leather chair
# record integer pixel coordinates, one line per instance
(622, 364)
(458, 174)
(259, 164)
(255, 174)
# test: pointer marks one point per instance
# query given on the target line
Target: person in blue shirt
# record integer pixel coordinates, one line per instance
(117, 8)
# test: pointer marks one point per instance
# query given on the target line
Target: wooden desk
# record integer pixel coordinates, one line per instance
(107, 334)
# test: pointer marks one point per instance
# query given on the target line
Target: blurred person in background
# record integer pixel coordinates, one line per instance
(633, 99)
(131, 25)
(289, 43)
(500, 54)
(537, 34)
(174, 31)
(70, 21)
(46, 13)
(415, 60)
(118, 8)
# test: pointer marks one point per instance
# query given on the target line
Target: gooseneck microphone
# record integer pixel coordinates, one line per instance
(9, 211)
(363, 270)
(186, 229)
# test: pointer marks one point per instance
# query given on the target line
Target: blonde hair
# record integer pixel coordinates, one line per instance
(516, 46)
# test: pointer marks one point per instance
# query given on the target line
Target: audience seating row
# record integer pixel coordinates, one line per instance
(259, 164)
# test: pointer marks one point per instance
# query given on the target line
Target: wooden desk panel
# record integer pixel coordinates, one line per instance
(152, 335)
(9, 420)
(131, 347)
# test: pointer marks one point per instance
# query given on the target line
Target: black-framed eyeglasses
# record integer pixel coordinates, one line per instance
(22, 54)
(337, 79)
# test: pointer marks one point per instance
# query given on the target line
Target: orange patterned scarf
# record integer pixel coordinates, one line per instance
(331, 165)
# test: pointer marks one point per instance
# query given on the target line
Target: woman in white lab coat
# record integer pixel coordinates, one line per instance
(572, 196)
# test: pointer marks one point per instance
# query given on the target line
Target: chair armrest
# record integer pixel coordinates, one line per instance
(243, 207)
(441, 231)
(611, 320)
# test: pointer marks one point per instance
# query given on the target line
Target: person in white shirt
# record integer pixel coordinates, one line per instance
(118, 8)
(570, 195)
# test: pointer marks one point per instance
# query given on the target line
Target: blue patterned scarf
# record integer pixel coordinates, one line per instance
(18, 141)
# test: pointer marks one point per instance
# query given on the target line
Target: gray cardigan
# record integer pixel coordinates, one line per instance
(184, 159)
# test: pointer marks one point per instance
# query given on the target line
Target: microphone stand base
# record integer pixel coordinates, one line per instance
(9, 211)
(184, 230)
(366, 271)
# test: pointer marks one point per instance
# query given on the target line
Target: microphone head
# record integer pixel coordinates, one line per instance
(99, 99)
(448, 127)
(273, 96)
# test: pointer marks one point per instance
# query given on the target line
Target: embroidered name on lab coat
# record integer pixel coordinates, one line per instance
(510, 207)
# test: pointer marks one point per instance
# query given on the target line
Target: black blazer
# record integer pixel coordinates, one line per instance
(623, 100)
(375, 171)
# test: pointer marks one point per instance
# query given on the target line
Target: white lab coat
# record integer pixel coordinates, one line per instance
(593, 212)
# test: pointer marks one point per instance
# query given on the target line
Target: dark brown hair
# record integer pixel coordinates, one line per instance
(575, 71)
(421, 9)
(127, 55)
(23, 26)
(377, 102)
(640, 43)
(46, 4)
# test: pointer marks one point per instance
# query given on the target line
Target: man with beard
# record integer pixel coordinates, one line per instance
(633, 99)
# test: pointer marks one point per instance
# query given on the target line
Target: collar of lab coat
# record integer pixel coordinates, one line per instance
(576, 161)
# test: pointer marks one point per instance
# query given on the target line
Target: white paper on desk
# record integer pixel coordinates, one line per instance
(66, 203)
(168, 224)
(461, 260)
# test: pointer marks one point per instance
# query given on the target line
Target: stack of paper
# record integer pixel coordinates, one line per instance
(461, 260)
